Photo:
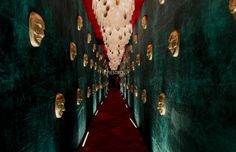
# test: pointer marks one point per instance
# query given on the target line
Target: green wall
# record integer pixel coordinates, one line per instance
(31, 77)
(199, 84)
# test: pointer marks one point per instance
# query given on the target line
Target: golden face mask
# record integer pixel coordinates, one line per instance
(161, 2)
(85, 60)
(97, 54)
(88, 92)
(174, 41)
(135, 38)
(79, 23)
(149, 52)
(144, 96)
(79, 97)
(232, 7)
(136, 91)
(89, 38)
(144, 22)
(133, 65)
(91, 63)
(59, 105)
(161, 104)
(127, 86)
(73, 51)
(131, 48)
(99, 69)
(94, 47)
(100, 57)
(36, 29)
(138, 59)
(95, 66)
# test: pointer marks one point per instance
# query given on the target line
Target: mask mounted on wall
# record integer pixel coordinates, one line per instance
(174, 41)
(161, 104)
(79, 23)
(59, 105)
(232, 7)
(133, 65)
(131, 48)
(73, 51)
(97, 54)
(144, 22)
(136, 91)
(138, 59)
(89, 38)
(135, 38)
(95, 66)
(127, 86)
(100, 57)
(94, 47)
(144, 96)
(161, 2)
(36, 29)
(91, 63)
(88, 92)
(85, 60)
(79, 97)
(149, 52)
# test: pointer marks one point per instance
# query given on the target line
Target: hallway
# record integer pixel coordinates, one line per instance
(111, 130)
(173, 63)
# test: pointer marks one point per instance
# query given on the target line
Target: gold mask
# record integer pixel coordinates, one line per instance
(73, 51)
(97, 54)
(133, 65)
(149, 52)
(136, 91)
(138, 59)
(79, 23)
(161, 104)
(144, 96)
(131, 48)
(95, 66)
(79, 97)
(36, 29)
(89, 38)
(161, 2)
(59, 105)
(94, 47)
(85, 60)
(135, 38)
(144, 22)
(100, 57)
(91, 63)
(174, 41)
(88, 92)
(232, 7)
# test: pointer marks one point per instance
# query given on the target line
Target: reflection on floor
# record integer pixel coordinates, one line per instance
(112, 130)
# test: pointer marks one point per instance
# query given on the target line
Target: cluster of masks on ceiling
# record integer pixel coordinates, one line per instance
(113, 16)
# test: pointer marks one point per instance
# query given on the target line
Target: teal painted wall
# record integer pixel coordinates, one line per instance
(199, 84)
(31, 77)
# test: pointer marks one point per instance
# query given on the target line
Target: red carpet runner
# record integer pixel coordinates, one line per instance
(111, 130)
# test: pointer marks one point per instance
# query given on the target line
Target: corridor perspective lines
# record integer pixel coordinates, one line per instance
(111, 129)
